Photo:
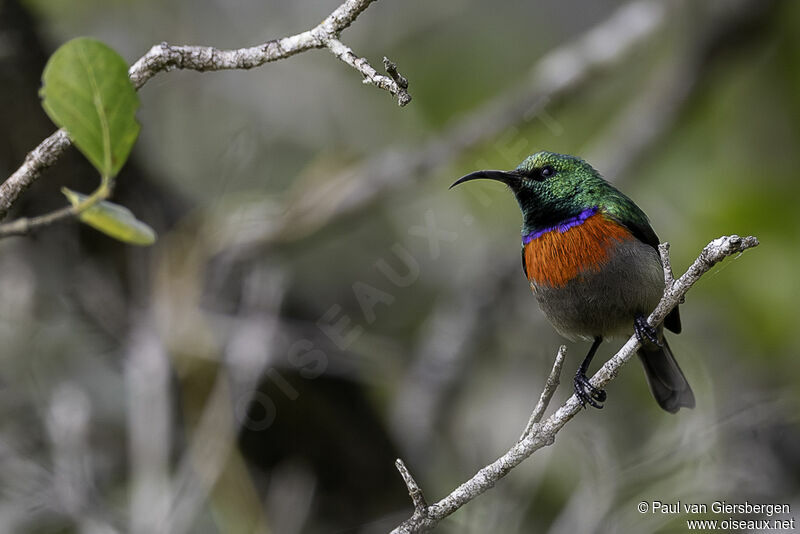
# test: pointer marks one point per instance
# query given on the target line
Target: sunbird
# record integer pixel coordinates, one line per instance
(592, 261)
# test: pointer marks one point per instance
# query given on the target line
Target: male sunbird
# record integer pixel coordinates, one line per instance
(592, 261)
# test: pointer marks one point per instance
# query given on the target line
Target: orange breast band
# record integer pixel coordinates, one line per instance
(555, 257)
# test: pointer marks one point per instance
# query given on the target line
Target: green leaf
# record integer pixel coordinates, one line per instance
(113, 220)
(86, 90)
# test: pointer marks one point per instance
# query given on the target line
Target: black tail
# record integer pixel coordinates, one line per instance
(665, 378)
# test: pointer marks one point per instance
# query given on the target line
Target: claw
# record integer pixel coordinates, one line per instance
(587, 393)
(645, 332)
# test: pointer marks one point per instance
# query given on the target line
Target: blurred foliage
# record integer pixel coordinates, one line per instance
(221, 156)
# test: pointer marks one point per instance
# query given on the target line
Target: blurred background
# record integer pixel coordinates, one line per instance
(318, 303)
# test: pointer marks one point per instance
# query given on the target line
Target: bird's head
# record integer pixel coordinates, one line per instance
(551, 187)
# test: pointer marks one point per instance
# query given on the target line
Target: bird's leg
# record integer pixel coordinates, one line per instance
(645, 332)
(586, 392)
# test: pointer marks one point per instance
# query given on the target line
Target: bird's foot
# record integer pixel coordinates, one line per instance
(587, 393)
(645, 332)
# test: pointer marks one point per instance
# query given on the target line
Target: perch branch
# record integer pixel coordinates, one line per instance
(540, 435)
(165, 57)
(439, 363)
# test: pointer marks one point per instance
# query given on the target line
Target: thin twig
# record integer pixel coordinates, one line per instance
(391, 69)
(543, 434)
(669, 276)
(414, 491)
(344, 53)
(547, 393)
(165, 57)
(25, 225)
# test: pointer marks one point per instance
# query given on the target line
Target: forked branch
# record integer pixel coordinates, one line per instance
(166, 57)
(538, 434)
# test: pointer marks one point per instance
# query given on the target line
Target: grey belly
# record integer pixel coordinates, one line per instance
(606, 301)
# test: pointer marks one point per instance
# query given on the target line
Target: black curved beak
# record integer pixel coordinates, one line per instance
(509, 178)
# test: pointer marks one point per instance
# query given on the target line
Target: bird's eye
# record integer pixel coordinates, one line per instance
(547, 171)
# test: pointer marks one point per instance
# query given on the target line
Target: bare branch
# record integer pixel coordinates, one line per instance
(24, 225)
(165, 57)
(414, 491)
(547, 393)
(439, 362)
(543, 434)
(391, 69)
(344, 53)
(37, 160)
(669, 276)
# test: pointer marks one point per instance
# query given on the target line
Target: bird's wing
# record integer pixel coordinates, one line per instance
(633, 218)
(628, 214)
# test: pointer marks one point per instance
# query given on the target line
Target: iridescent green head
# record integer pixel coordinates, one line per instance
(551, 188)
